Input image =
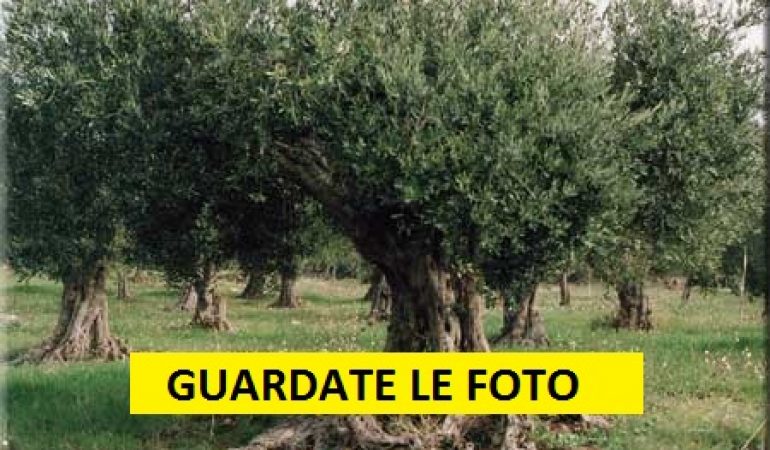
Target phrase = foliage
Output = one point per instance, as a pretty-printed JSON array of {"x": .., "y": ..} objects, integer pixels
[
  {"x": 64, "y": 64},
  {"x": 755, "y": 246},
  {"x": 335, "y": 255},
  {"x": 480, "y": 131},
  {"x": 203, "y": 196},
  {"x": 696, "y": 161}
]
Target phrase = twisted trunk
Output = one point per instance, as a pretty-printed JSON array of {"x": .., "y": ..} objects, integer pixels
[
  {"x": 82, "y": 330},
  {"x": 431, "y": 310},
  {"x": 634, "y": 312},
  {"x": 522, "y": 323},
  {"x": 287, "y": 297},
  {"x": 255, "y": 285},
  {"x": 210, "y": 308}
]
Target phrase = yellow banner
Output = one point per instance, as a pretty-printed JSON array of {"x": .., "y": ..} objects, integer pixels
[{"x": 387, "y": 383}]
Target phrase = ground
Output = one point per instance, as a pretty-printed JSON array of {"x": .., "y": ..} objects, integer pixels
[{"x": 704, "y": 365}]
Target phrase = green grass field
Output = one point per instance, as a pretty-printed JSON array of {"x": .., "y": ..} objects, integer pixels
[{"x": 704, "y": 374}]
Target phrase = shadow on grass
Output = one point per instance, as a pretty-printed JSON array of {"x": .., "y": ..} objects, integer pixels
[
  {"x": 47, "y": 289},
  {"x": 755, "y": 342},
  {"x": 87, "y": 406},
  {"x": 157, "y": 294}
]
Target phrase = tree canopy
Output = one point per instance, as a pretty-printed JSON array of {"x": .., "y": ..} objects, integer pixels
[
  {"x": 462, "y": 132},
  {"x": 697, "y": 161}
]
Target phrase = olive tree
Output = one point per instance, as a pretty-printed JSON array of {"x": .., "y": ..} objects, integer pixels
[
  {"x": 274, "y": 231},
  {"x": 204, "y": 195},
  {"x": 477, "y": 133},
  {"x": 442, "y": 138},
  {"x": 64, "y": 64},
  {"x": 182, "y": 156},
  {"x": 695, "y": 161}
]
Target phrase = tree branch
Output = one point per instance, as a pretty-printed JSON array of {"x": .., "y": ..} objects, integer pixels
[{"x": 305, "y": 163}]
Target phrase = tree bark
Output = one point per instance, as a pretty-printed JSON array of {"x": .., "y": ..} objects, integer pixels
[
  {"x": 124, "y": 292},
  {"x": 210, "y": 308},
  {"x": 564, "y": 291},
  {"x": 82, "y": 330},
  {"x": 431, "y": 312},
  {"x": 287, "y": 297},
  {"x": 255, "y": 285},
  {"x": 522, "y": 323},
  {"x": 634, "y": 312},
  {"x": 379, "y": 297},
  {"x": 187, "y": 298}
]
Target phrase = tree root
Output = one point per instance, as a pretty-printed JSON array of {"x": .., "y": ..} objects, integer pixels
[
  {"x": 514, "y": 336},
  {"x": 187, "y": 300},
  {"x": 75, "y": 348},
  {"x": 212, "y": 323},
  {"x": 575, "y": 423},
  {"x": 397, "y": 432},
  {"x": 377, "y": 316}
]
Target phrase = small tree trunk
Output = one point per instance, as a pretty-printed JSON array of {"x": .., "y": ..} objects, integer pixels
[
  {"x": 287, "y": 298},
  {"x": 634, "y": 312},
  {"x": 210, "y": 308},
  {"x": 123, "y": 289},
  {"x": 522, "y": 323},
  {"x": 139, "y": 276},
  {"x": 744, "y": 271},
  {"x": 470, "y": 311},
  {"x": 687, "y": 289},
  {"x": 375, "y": 285},
  {"x": 255, "y": 285},
  {"x": 187, "y": 298},
  {"x": 82, "y": 330},
  {"x": 379, "y": 297},
  {"x": 564, "y": 292}
]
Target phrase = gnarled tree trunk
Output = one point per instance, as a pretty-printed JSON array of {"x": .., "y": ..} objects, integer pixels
[
  {"x": 210, "y": 308},
  {"x": 255, "y": 285},
  {"x": 634, "y": 312},
  {"x": 522, "y": 323},
  {"x": 82, "y": 331},
  {"x": 431, "y": 310},
  {"x": 287, "y": 297}
]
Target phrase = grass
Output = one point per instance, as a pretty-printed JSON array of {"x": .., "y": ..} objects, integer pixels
[{"x": 704, "y": 374}]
